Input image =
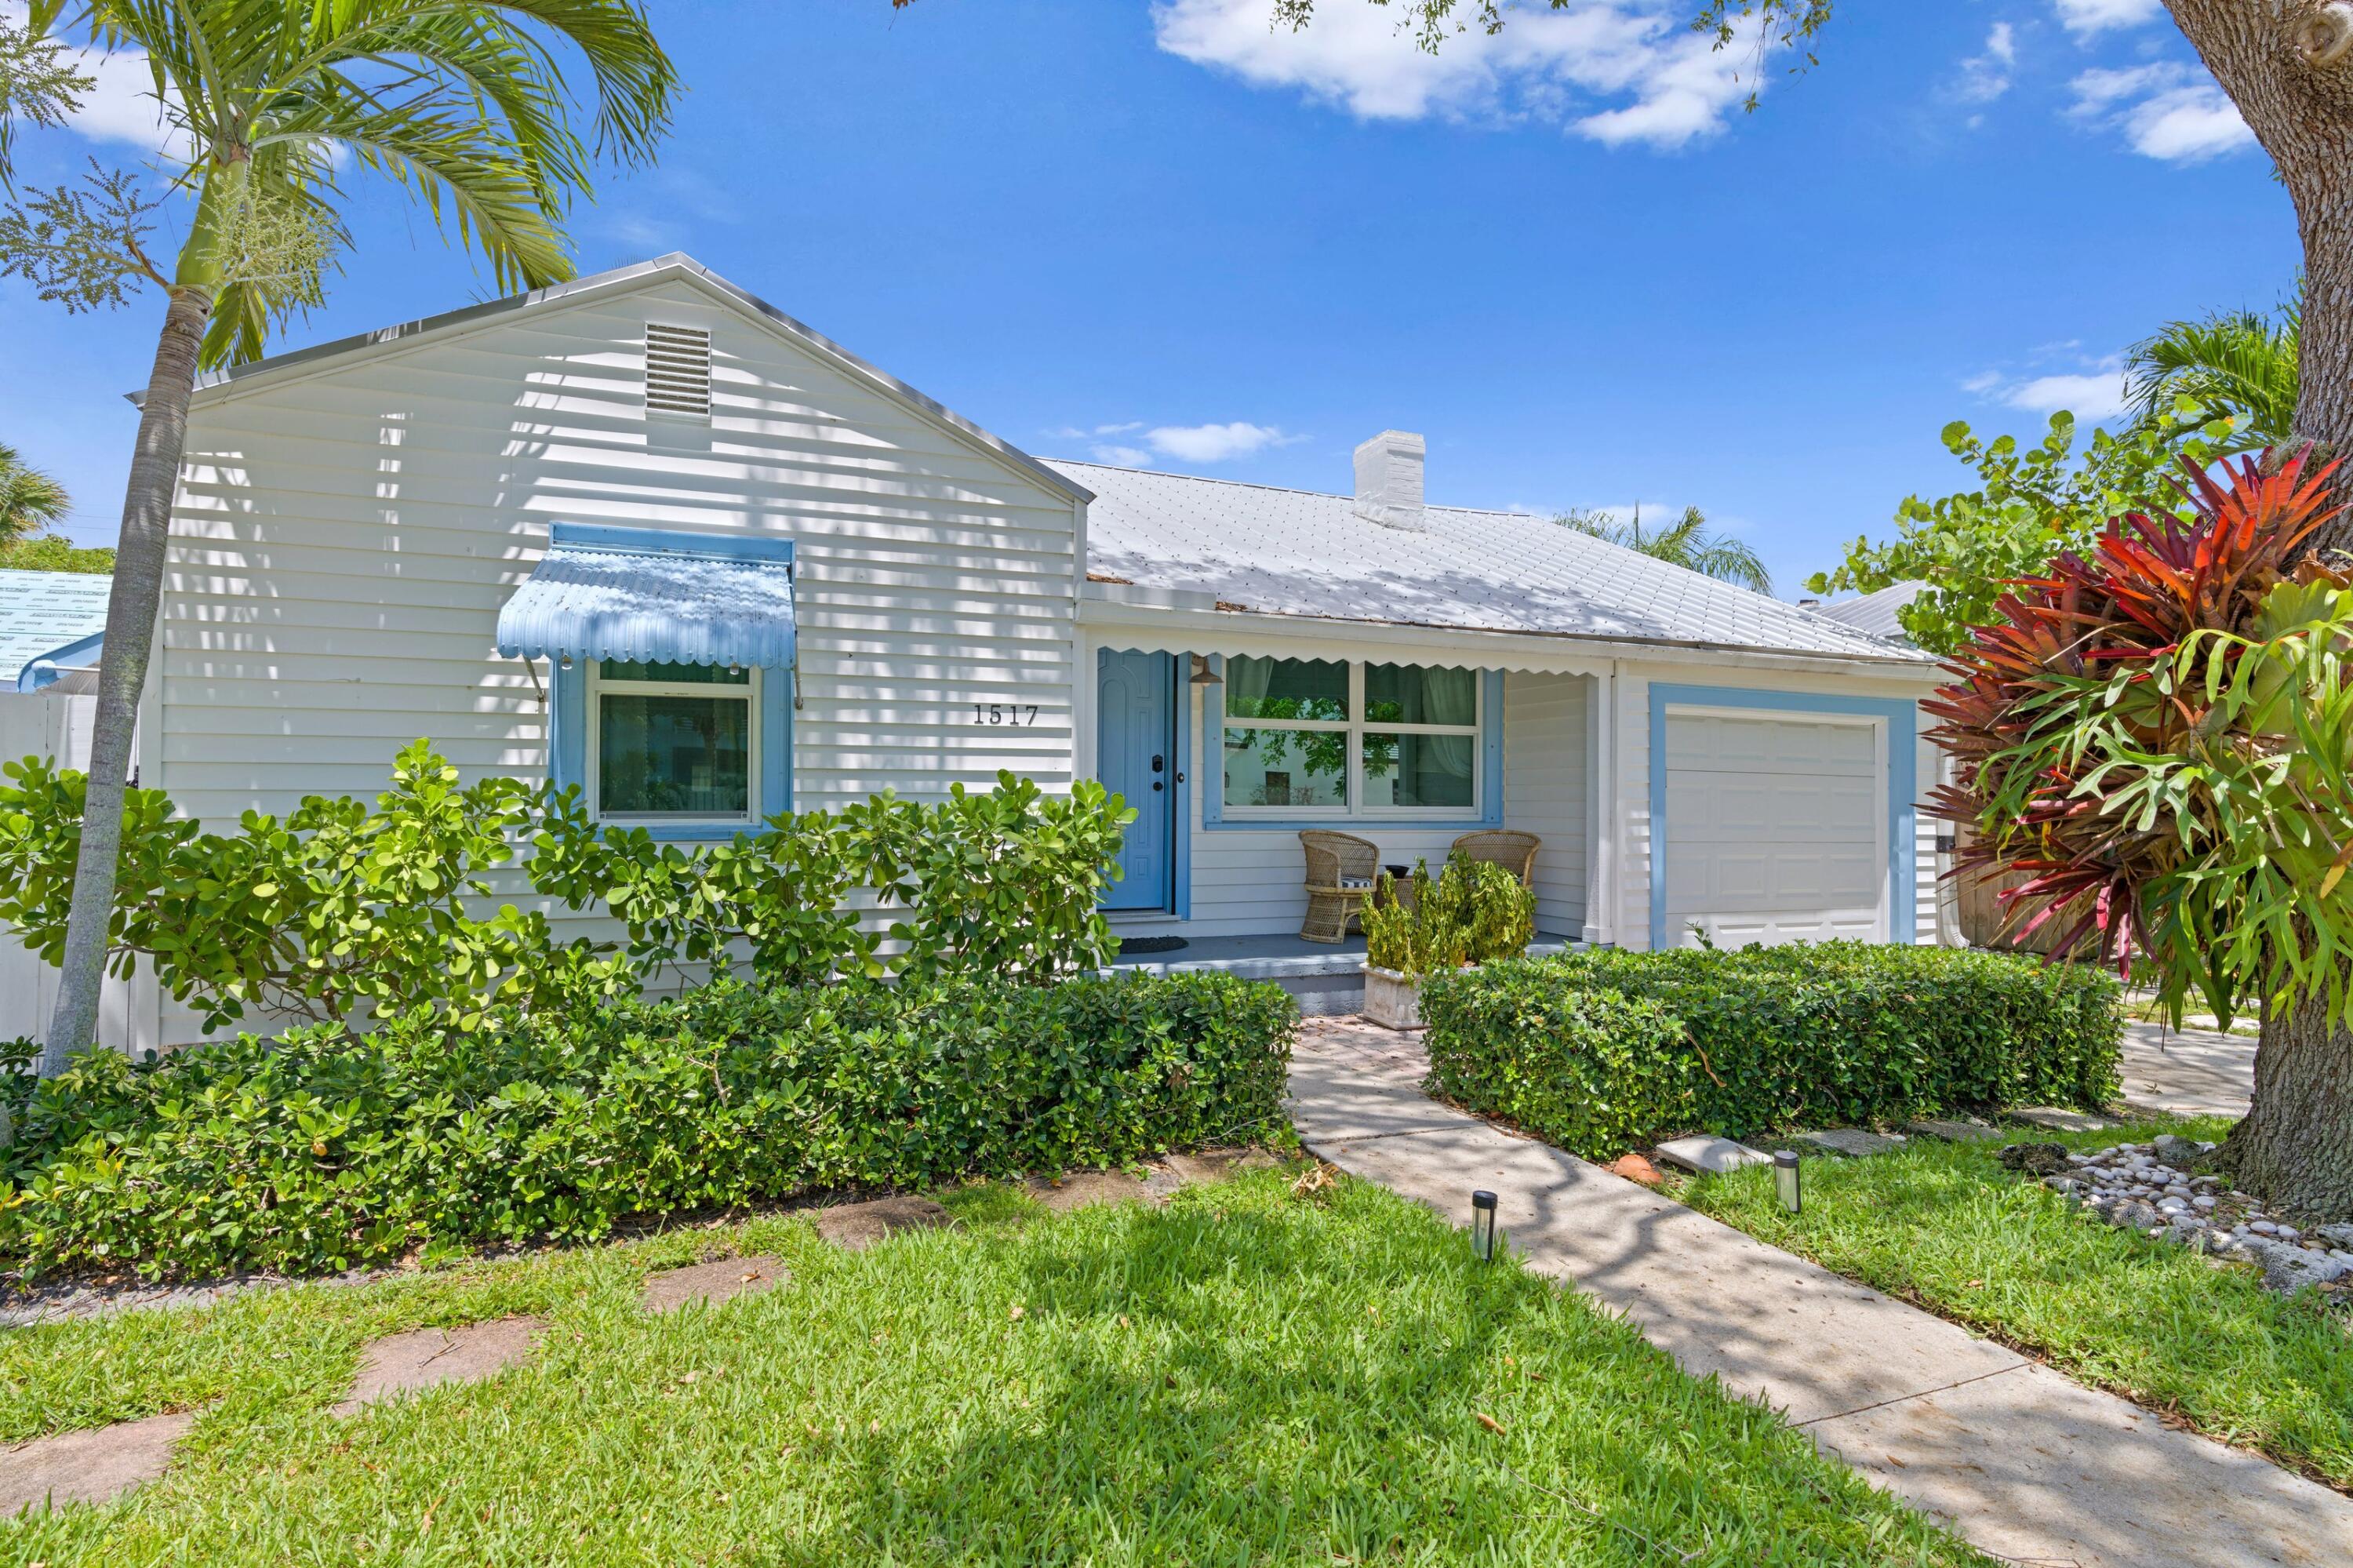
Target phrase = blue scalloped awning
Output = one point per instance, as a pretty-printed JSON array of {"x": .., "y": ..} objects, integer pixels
[{"x": 641, "y": 594}]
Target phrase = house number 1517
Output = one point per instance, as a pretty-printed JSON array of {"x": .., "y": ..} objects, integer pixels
[{"x": 1015, "y": 714}]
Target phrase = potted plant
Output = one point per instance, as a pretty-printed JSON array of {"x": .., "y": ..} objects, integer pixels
[{"x": 1473, "y": 911}]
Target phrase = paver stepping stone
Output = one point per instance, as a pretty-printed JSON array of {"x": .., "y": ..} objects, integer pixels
[
  {"x": 426, "y": 1358},
  {"x": 854, "y": 1227},
  {"x": 1711, "y": 1154},
  {"x": 1954, "y": 1132},
  {"x": 89, "y": 1466},
  {"x": 721, "y": 1279},
  {"x": 1853, "y": 1141},
  {"x": 2058, "y": 1120},
  {"x": 1084, "y": 1188}
]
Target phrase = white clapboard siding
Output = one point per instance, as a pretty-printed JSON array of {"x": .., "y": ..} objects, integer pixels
[
  {"x": 344, "y": 539},
  {"x": 1545, "y": 788}
]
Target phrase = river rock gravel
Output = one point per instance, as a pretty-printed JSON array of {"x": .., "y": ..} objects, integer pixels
[{"x": 2156, "y": 1189}]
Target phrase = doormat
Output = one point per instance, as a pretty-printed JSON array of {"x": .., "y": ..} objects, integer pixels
[{"x": 1150, "y": 944}]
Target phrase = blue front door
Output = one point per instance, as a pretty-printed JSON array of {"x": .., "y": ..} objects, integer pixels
[{"x": 1135, "y": 757}]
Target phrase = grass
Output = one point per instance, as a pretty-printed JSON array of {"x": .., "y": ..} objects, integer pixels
[
  {"x": 1945, "y": 1226},
  {"x": 1244, "y": 1377}
]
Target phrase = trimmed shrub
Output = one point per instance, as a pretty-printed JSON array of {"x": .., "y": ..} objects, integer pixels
[
  {"x": 1602, "y": 1051},
  {"x": 319, "y": 1151}
]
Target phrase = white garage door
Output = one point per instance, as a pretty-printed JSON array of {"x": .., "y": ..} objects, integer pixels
[{"x": 1775, "y": 829}]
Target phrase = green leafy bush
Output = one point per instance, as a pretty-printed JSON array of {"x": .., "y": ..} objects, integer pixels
[
  {"x": 1766, "y": 1039},
  {"x": 341, "y": 911},
  {"x": 334, "y": 912},
  {"x": 1473, "y": 912},
  {"x": 321, "y": 1151}
]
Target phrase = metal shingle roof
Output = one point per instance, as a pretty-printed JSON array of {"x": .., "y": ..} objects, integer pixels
[
  {"x": 593, "y": 602},
  {"x": 1875, "y": 612},
  {"x": 1291, "y": 552},
  {"x": 41, "y": 612}
]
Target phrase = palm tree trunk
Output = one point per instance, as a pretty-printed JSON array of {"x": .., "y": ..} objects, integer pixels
[
  {"x": 2295, "y": 1146},
  {"x": 131, "y": 611}
]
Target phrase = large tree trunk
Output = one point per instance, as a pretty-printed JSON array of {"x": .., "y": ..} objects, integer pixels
[
  {"x": 2281, "y": 62},
  {"x": 122, "y": 667}
]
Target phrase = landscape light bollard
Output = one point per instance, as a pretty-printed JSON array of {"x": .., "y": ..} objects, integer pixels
[
  {"x": 1785, "y": 1179},
  {"x": 1483, "y": 1226}
]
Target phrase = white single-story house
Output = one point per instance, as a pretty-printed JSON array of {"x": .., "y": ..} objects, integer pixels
[{"x": 646, "y": 533}]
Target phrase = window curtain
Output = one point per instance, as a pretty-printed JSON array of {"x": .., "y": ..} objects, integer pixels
[
  {"x": 1445, "y": 693},
  {"x": 1247, "y": 679}
]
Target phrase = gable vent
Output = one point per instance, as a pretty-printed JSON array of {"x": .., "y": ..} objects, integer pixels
[{"x": 678, "y": 371}]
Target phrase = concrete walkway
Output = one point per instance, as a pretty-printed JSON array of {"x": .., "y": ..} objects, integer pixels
[
  {"x": 2023, "y": 1462},
  {"x": 2188, "y": 1071}
]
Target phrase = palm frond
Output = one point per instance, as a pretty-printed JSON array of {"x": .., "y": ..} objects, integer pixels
[
  {"x": 1685, "y": 543},
  {"x": 2242, "y": 363},
  {"x": 468, "y": 104}
]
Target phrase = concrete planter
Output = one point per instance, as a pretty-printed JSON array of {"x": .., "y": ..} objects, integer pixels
[{"x": 1392, "y": 999}]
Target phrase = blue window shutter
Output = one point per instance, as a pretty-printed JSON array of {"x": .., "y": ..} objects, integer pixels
[
  {"x": 567, "y": 726},
  {"x": 776, "y": 741}
]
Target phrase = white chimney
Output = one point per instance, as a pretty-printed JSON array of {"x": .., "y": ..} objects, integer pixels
[{"x": 1388, "y": 480}]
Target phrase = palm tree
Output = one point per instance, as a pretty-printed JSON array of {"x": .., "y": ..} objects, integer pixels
[
  {"x": 461, "y": 102},
  {"x": 1686, "y": 543},
  {"x": 29, "y": 501},
  {"x": 2242, "y": 363}
]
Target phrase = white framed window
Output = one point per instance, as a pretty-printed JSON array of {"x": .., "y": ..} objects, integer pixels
[
  {"x": 674, "y": 744},
  {"x": 1317, "y": 738}
]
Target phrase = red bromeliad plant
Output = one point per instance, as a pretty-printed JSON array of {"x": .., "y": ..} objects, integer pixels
[{"x": 2153, "y": 742}]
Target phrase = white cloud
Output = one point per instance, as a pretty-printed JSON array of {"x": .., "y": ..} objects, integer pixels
[
  {"x": 2166, "y": 110},
  {"x": 2089, "y": 389},
  {"x": 1187, "y": 443},
  {"x": 1986, "y": 77},
  {"x": 2085, "y": 18},
  {"x": 1215, "y": 443},
  {"x": 122, "y": 107},
  {"x": 1556, "y": 67},
  {"x": 2093, "y": 395}
]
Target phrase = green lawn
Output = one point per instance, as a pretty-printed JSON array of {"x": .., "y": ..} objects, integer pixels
[
  {"x": 1244, "y": 1377},
  {"x": 1946, "y": 1226}
]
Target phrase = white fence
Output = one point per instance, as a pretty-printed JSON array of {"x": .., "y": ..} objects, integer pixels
[{"x": 56, "y": 727}]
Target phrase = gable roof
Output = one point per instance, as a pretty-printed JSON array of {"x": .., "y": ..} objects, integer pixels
[
  {"x": 42, "y": 612},
  {"x": 676, "y": 266},
  {"x": 1875, "y": 612},
  {"x": 1293, "y": 552}
]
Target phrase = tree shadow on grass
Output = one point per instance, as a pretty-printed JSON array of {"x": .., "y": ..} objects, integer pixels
[{"x": 1264, "y": 1382}]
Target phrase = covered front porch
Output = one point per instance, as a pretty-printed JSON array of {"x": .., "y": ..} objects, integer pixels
[
  {"x": 1327, "y": 979},
  {"x": 1405, "y": 739}
]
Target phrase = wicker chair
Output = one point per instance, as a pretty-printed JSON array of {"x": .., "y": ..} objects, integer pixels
[
  {"x": 1515, "y": 852},
  {"x": 1341, "y": 871}
]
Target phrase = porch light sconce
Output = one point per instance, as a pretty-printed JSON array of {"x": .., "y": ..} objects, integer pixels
[
  {"x": 567, "y": 662},
  {"x": 1785, "y": 1180},
  {"x": 1202, "y": 674},
  {"x": 1483, "y": 1226}
]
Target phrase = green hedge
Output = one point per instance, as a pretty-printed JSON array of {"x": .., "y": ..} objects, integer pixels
[
  {"x": 1604, "y": 1050},
  {"x": 318, "y": 1152}
]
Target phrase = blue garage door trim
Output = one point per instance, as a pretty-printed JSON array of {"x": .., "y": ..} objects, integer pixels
[{"x": 1903, "y": 785}]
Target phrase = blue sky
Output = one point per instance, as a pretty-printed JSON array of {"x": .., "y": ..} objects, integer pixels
[{"x": 1160, "y": 233}]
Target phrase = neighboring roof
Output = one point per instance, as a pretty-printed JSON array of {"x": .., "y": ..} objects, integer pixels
[
  {"x": 41, "y": 613},
  {"x": 678, "y": 263},
  {"x": 1875, "y": 612},
  {"x": 611, "y": 593},
  {"x": 1291, "y": 552}
]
